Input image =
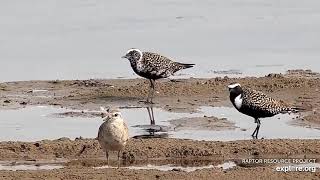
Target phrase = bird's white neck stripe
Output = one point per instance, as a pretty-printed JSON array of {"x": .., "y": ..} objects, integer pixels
[
  {"x": 231, "y": 86},
  {"x": 238, "y": 101},
  {"x": 139, "y": 62},
  {"x": 141, "y": 54},
  {"x": 134, "y": 49}
]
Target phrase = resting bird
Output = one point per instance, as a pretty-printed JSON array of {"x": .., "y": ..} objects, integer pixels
[
  {"x": 113, "y": 133},
  {"x": 153, "y": 66},
  {"x": 256, "y": 104}
]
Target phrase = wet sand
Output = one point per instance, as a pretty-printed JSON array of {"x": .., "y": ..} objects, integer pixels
[
  {"x": 81, "y": 155},
  {"x": 183, "y": 95}
]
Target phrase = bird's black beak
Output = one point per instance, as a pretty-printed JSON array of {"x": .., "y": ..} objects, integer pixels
[{"x": 125, "y": 56}]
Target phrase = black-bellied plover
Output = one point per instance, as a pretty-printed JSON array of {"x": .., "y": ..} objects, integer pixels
[
  {"x": 153, "y": 66},
  {"x": 113, "y": 133},
  {"x": 256, "y": 104}
]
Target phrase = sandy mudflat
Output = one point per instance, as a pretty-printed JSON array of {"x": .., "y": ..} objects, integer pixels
[
  {"x": 83, "y": 155},
  {"x": 79, "y": 156},
  {"x": 297, "y": 88}
]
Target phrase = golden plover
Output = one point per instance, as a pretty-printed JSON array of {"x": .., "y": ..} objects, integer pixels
[
  {"x": 153, "y": 66},
  {"x": 256, "y": 104}
]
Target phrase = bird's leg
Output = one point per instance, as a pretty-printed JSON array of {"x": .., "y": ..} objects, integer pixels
[
  {"x": 119, "y": 159},
  {"x": 258, "y": 126},
  {"x": 151, "y": 116},
  {"x": 256, "y": 131},
  {"x": 151, "y": 91},
  {"x": 107, "y": 156}
]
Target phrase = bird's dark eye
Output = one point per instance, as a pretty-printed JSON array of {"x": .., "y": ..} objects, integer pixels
[{"x": 116, "y": 115}]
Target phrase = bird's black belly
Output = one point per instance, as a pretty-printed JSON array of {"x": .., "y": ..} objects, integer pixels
[
  {"x": 149, "y": 75},
  {"x": 256, "y": 113}
]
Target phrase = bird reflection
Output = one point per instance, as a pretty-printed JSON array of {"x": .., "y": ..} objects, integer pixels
[
  {"x": 154, "y": 131},
  {"x": 151, "y": 115}
]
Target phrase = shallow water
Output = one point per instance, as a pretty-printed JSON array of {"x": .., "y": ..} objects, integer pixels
[
  {"x": 169, "y": 167},
  {"x": 32, "y": 165},
  {"x": 38, "y": 123},
  {"x": 57, "y": 39},
  {"x": 229, "y": 165},
  {"x": 29, "y": 167},
  {"x": 34, "y": 123}
]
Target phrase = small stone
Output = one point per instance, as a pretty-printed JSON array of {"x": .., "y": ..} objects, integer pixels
[
  {"x": 23, "y": 146},
  {"x": 23, "y": 103},
  {"x": 176, "y": 170},
  {"x": 7, "y": 101}
]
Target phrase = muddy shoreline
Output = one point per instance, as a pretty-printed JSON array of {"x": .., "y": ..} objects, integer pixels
[
  {"x": 83, "y": 155},
  {"x": 298, "y": 88},
  {"x": 183, "y": 95}
]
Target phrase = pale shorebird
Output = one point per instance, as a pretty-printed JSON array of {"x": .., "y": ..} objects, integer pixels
[
  {"x": 256, "y": 104},
  {"x": 153, "y": 66},
  {"x": 113, "y": 133}
]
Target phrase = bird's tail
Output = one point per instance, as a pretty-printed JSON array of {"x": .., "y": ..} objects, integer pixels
[
  {"x": 185, "y": 66},
  {"x": 293, "y": 110}
]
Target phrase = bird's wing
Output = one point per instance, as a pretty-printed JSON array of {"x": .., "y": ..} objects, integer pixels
[
  {"x": 261, "y": 102},
  {"x": 104, "y": 131},
  {"x": 156, "y": 64},
  {"x": 100, "y": 132},
  {"x": 156, "y": 60},
  {"x": 126, "y": 131}
]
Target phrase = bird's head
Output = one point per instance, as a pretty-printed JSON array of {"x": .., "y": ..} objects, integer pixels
[
  {"x": 108, "y": 114},
  {"x": 133, "y": 55},
  {"x": 235, "y": 89}
]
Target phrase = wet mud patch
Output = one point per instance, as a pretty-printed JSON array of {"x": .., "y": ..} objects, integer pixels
[
  {"x": 202, "y": 123},
  {"x": 302, "y": 73}
]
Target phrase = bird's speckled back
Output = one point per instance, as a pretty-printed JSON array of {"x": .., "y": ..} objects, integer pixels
[{"x": 261, "y": 102}]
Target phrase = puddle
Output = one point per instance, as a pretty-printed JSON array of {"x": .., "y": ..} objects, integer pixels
[
  {"x": 171, "y": 167},
  {"x": 35, "y": 123},
  {"x": 227, "y": 72},
  {"x": 246, "y": 126},
  {"x": 227, "y": 165},
  {"x": 30, "y": 165},
  {"x": 32, "y": 124},
  {"x": 37, "y": 91}
]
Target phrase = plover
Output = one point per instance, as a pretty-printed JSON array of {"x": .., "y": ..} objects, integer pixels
[
  {"x": 113, "y": 133},
  {"x": 256, "y": 104},
  {"x": 153, "y": 66}
]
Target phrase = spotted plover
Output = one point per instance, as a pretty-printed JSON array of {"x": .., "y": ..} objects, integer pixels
[
  {"x": 256, "y": 104},
  {"x": 113, "y": 133},
  {"x": 153, "y": 66}
]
